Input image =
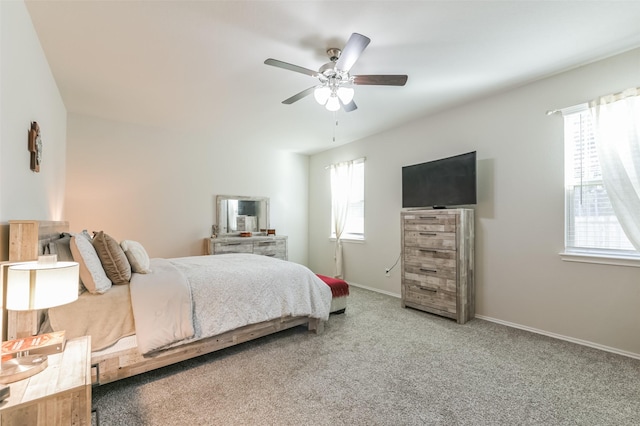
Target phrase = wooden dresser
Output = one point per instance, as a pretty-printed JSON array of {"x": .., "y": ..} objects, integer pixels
[
  {"x": 272, "y": 246},
  {"x": 438, "y": 261}
]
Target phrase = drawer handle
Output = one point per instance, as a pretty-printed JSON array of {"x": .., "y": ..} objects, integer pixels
[
  {"x": 431, "y": 234},
  {"x": 428, "y": 251},
  {"x": 266, "y": 243},
  {"x": 231, "y": 244},
  {"x": 433, "y": 290},
  {"x": 429, "y": 217},
  {"x": 270, "y": 254},
  {"x": 429, "y": 270}
]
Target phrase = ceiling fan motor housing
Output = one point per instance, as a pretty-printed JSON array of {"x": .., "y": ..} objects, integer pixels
[
  {"x": 329, "y": 74},
  {"x": 334, "y": 53}
]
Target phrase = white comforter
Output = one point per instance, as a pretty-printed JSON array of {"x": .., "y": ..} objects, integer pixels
[{"x": 225, "y": 292}]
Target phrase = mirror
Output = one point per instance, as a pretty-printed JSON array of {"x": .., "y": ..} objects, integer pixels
[{"x": 237, "y": 213}]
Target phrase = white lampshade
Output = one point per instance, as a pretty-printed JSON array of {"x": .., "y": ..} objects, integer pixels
[
  {"x": 333, "y": 104},
  {"x": 38, "y": 285},
  {"x": 345, "y": 94},
  {"x": 322, "y": 93}
]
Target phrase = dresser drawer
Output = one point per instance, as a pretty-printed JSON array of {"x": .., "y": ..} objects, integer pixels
[
  {"x": 428, "y": 239},
  {"x": 233, "y": 247},
  {"x": 276, "y": 248},
  {"x": 432, "y": 278},
  {"x": 422, "y": 296},
  {"x": 430, "y": 222},
  {"x": 430, "y": 256},
  {"x": 443, "y": 267}
]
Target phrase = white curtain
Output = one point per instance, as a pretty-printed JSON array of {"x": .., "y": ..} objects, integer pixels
[
  {"x": 617, "y": 130},
  {"x": 341, "y": 178}
]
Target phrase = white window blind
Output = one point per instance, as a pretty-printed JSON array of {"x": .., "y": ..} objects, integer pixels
[
  {"x": 591, "y": 224},
  {"x": 354, "y": 227}
]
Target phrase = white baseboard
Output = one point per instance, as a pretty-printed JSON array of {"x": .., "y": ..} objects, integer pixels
[
  {"x": 377, "y": 290},
  {"x": 524, "y": 327},
  {"x": 561, "y": 337}
]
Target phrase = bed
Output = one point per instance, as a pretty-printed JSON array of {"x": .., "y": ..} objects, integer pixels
[{"x": 171, "y": 309}]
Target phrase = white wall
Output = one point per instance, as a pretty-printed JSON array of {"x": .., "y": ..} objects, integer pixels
[
  {"x": 28, "y": 93},
  {"x": 520, "y": 278},
  {"x": 158, "y": 186}
]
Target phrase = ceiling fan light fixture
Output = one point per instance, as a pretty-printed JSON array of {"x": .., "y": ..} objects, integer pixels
[
  {"x": 333, "y": 104},
  {"x": 345, "y": 94},
  {"x": 322, "y": 94}
]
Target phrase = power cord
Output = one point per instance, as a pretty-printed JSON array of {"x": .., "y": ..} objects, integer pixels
[{"x": 386, "y": 271}]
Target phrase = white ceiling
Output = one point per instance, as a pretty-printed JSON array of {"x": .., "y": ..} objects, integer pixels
[{"x": 198, "y": 65}]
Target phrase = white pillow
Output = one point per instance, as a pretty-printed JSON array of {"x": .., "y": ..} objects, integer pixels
[
  {"x": 91, "y": 272},
  {"x": 137, "y": 255}
]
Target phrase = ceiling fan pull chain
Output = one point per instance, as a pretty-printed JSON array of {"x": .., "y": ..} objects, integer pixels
[{"x": 335, "y": 119}]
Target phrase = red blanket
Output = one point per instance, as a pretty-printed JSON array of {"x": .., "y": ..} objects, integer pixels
[{"x": 338, "y": 287}]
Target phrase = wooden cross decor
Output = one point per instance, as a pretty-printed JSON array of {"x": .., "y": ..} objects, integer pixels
[{"x": 35, "y": 147}]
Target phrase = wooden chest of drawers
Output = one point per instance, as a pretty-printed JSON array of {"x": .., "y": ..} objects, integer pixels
[
  {"x": 272, "y": 246},
  {"x": 437, "y": 262}
]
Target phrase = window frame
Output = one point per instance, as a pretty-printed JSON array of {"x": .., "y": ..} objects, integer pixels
[{"x": 619, "y": 257}]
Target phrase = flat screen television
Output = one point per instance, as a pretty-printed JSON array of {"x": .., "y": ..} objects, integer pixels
[{"x": 440, "y": 183}]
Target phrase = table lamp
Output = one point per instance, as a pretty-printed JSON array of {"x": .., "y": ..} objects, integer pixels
[{"x": 36, "y": 285}]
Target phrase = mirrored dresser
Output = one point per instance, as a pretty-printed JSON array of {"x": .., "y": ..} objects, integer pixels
[{"x": 238, "y": 215}]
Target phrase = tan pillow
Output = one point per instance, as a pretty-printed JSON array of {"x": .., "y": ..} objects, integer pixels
[
  {"x": 91, "y": 272},
  {"x": 114, "y": 261}
]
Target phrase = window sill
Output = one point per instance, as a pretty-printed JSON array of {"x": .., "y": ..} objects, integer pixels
[
  {"x": 348, "y": 240},
  {"x": 600, "y": 259}
]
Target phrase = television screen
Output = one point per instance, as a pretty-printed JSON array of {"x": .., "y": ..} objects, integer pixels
[{"x": 441, "y": 183}]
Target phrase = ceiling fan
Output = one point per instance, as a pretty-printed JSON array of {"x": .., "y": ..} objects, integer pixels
[{"x": 335, "y": 88}]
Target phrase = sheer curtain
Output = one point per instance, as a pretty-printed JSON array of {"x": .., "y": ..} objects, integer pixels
[
  {"x": 341, "y": 178},
  {"x": 617, "y": 135}
]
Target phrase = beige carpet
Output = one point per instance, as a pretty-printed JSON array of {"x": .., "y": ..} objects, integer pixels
[{"x": 379, "y": 364}]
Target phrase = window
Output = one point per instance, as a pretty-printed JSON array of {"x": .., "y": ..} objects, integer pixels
[
  {"x": 347, "y": 198},
  {"x": 591, "y": 226}
]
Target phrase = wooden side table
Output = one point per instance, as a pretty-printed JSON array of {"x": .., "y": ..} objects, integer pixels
[{"x": 59, "y": 395}]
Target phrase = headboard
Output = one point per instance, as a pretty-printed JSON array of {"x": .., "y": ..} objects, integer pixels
[
  {"x": 27, "y": 241},
  {"x": 27, "y": 238}
]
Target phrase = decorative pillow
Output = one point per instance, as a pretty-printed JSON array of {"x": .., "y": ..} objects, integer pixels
[
  {"x": 91, "y": 273},
  {"x": 137, "y": 255},
  {"x": 62, "y": 249},
  {"x": 114, "y": 261}
]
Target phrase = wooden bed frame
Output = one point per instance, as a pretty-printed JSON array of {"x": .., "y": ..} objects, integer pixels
[{"x": 26, "y": 239}]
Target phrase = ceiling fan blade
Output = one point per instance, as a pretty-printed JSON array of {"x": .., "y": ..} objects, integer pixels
[
  {"x": 352, "y": 50},
  {"x": 351, "y": 106},
  {"x": 380, "y": 80},
  {"x": 299, "y": 96},
  {"x": 291, "y": 67}
]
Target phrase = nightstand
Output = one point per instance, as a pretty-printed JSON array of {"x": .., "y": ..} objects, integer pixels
[{"x": 59, "y": 395}]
